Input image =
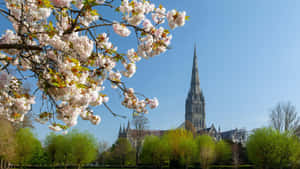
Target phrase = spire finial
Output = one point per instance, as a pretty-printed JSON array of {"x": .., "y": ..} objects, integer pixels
[
  {"x": 195, "y": 82},
  {"x": 195, "y": 49}
]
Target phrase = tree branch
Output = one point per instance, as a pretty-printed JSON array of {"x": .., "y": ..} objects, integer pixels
[{"x": 19, "y": 46}]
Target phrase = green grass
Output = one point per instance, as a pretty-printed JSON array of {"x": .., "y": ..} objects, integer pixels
[
  {"x": 212, "y": 167},
  {"x": 245, "y": 166}
]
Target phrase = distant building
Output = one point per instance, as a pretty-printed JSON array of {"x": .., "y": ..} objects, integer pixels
[{"x": 194, "y": 116}]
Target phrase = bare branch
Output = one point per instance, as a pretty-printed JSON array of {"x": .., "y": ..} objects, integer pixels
[
  {"x": 284, "y": 117},
  {"x": 20, "y": 46},
  {"x": 114, "y": 114}
]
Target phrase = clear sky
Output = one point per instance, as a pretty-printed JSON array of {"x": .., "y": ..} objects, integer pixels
[{"x": 248, "y": 54}]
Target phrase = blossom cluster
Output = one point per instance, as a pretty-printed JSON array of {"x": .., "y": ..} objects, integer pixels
[
  {"x": 14, "y": 103},
  {"x": 131, "y": 101},
  {"x": 155, "y": 40},
  {"x": 71, "y": 61}
]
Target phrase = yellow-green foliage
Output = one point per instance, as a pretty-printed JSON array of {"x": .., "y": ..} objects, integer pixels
[
  {"x": 27, "y": 145},
  {"x": 176, "y": 140},
  {"x": 268, "y": 148},
  {"x": 74, "y": 148},
  {"x": 155, "y": 151},
  {"x": 123, "y": 152},
  {"x": 206, "y": 150},
  {"x": 223, "y": 152},
  {"x": 7, "y": 140},
  {"x": 181, "y": 146}
]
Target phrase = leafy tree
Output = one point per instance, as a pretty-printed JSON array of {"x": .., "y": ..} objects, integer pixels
[
  {"x": 206, "y": 150},
  {"x": 181, "y": 144},
  {"x": 64, "y": 149},
  {"x": 27, "y": 145},
  {"x": 39, "y": 157},
  {"x": 123, "y": 153},
  {"x": 286, "y": 144},
  {"x": 51, "y": 147},
  {"x": 58, "y": 148},
  {"x": 155, "y": 151},
  {"x": 187, "y": 151},
  {"x": 7, "y": 142},
  {"x": 268, "y": 148},
  {"x": 295, "y": 157},
  {"x": 223, "y": 152},
  {"x": 83, "y": 147},
  {"x": 107, "y": 156},
  {"x": 260, "y": 147},
  {"x": 74, "y": 148}
]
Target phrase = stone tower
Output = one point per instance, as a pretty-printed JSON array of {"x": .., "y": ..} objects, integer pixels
[{"x": 195, "y": 103}]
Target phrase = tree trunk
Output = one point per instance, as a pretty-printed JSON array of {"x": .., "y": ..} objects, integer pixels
[
  {"x": 65, "y": 162},
  {"x": 136, "y": 157},
  {"x": 1, "y": 163},
  {"x": 137, "y": 152},
  {"x": 122, "y": 162},
  {"x": 153, "y": 165},
  {"x": 186, "y": 166}
]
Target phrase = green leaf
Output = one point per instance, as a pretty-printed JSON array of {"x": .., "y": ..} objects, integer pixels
[
  {"x": 187, "y": 18},
  {"x": 55, "y": 84},
  {"x": 81, "y": 86},
  {"x": 94, "y": 12}
]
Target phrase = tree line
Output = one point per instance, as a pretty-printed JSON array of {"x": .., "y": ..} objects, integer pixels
[
  {"x": 21, "y": 147},
  {"x": 273, "y": 147},
  {"x": 177, "y": 148},
  {"x": 267, "y": 148}
]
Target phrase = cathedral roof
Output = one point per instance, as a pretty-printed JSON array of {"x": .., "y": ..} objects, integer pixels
[{"x": 134, "y": 132}]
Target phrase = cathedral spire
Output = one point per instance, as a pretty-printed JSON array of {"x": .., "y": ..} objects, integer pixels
[
  {"x": 120, "y": 131},
  {"x": 195, "y": 82},
  {"x": 128, "y": 125},
  {"x": 124, "y": 129},
  {"x": 195, "y": 103}
]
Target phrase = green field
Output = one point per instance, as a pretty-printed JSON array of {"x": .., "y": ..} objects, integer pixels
[{"x": 148, "y": 167}]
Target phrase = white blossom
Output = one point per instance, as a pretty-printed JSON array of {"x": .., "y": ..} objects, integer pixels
[
  {"x": 121, "y": 30},
  {"x": 72, "y": 61},
  {"x": 55, "y": 128},
  {"x": 61, "y": 3}
]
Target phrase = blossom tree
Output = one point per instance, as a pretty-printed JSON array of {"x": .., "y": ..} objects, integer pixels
[{"x": 62, "y": 46}]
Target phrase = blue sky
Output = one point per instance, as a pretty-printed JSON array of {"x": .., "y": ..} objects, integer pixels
[{"x": 248, "y": 57}]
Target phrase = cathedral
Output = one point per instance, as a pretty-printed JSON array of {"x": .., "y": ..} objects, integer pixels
[{"x": 194, "y": 116}]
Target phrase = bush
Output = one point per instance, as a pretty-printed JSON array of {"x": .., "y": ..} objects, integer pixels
[{"x": 268, "y": 148}]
